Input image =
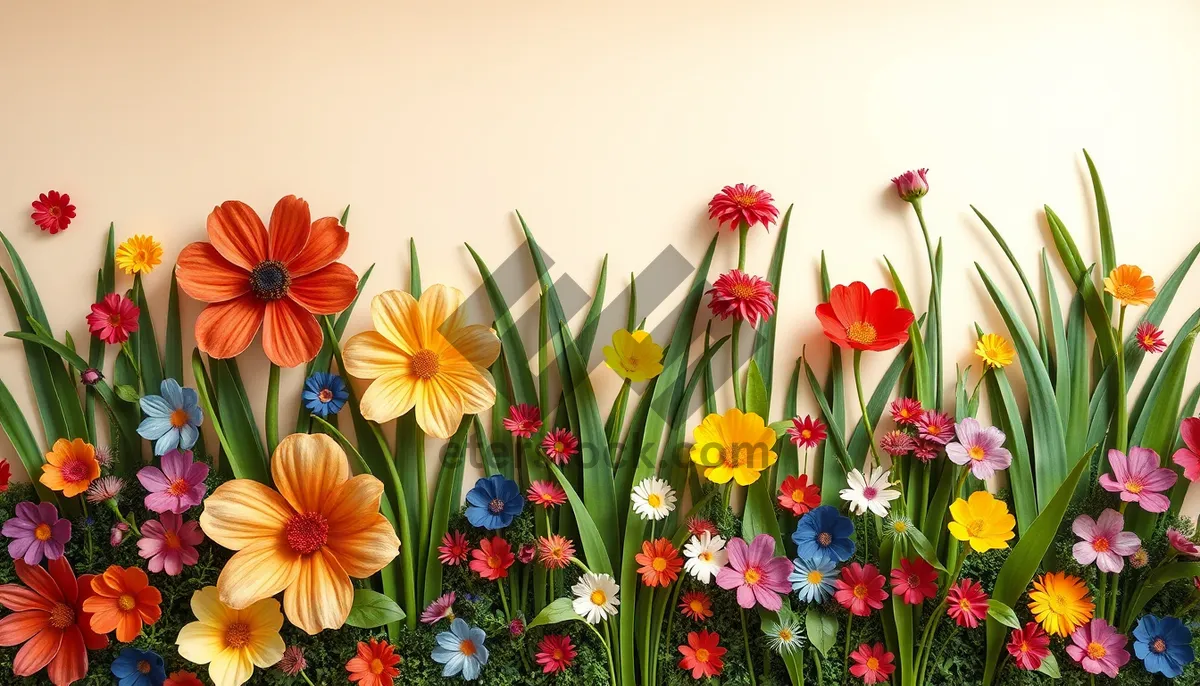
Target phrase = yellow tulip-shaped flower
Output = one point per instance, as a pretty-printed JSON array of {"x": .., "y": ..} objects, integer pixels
[
  {"x": 1130, "y": 286},
  {"x": 231, "y": 642},
  {"x": 995, "y": 351},
  {"x": 634, "y": 356},
  {"x": 423, "y": 355},
  {"x": 736, "y": 446},
  {"x": 982, "y": 521},
  {"x": 307, "y": 539},
  {"x": 1060, "y": 603}
]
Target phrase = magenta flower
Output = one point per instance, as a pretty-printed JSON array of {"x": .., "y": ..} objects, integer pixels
[
  {"x": 1104, "y": 541},
  {"x": 743, "y": 296},
  {"x": 1182, "y": 544},
  {"x": 178, "y": 486},
  {"x": 36, "y": 533},
  {"x": 1189, "y": 457},
  {"x": 1098, "y": 648},
  {"x": 935, "y": 427},
  {"x": 1139, "y": 479},
  {"x": 911, "y": 185},
  {"x": 759, "y": 577},
  {"x": 982, "y": 448},
  {"x": 169, "y": 543},
  {"x": 442, "y": 608}
]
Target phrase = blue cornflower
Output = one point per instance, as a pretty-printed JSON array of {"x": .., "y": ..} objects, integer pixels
[
  {"x": 324, "y": 394},
  {"x": 494, "y": 502},
  {"x": 461, "y": 650},
  {"x": 172, "y": 419},
  {"x": 824, "y": 535},
  {"x": 135, "y": 667},
  {"x": 813, "y": 582},
  {"x": 1163, "y": 645}
]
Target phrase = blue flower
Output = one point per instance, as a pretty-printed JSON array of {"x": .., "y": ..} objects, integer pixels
[
  {"x": 172, "y": 419},
  {"x": 461, "y": 649},
  {"x": 324, "y": 394},
  {"x": 813, "y": 582},
  {"x": 135, "y": 667},
  {"x": 494, "y": 502},
  {"x": 1163, "y": 645},
  {"x": 824, "y": 535}
]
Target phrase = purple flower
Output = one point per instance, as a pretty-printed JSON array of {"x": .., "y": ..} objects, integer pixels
[
  {"x": 178, "y": 486},
  {"x": 169, "y": 543},
  {"x": 1098, "y": 648},
  {"x": 982, "y": 448},
  {"x": 759, "y": 577},
  {"x": 37, "y": 533},
  {"x": 1104, "y": 541},
  {"x": 1139, "y": 479}
]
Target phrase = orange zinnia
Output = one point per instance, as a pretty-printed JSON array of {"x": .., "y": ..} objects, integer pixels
[
  {"x": 660, "y": 562},
  {"x": 124, "y": 601},
  {"x": 70, "y": 467},
  {"x": 306, "y": 539},
  {"x": 1130, "y": 286},
  {"x": 277, "y": 279}
]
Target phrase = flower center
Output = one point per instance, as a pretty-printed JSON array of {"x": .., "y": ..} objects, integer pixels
[
  {"x": 62, "y": 616},
  {"x": 171, "y": 539},
  {"x": 1133, "y": 486},
  {"x": 74, "y": 470},
  {"x": 964, "y": 605},
  {"x": 752, "y": 576},
  {"x": 742, "y": 292},
  {"x": 306, "y": 532},
  {"x": 237, "y": 635},
  {"x": 270, "y": 280},
  {"x": 377, "y": 665},
  {"x": 178, "y": 487},
  {"x": 873, "y": 664},
  {"x": 702, "y": 655},
  {"x": 143, "y": 666},
  {"x": 729, "y": 456},
  {"x": 899, "y": 526},
  {"x": 976, "y": 453},
  {"x": 914, "y": 580},
  {"x": 1100, "y": 545},
  {"x": 1024, "y": 647},
  {"x": 560, "y": 447},
  {"x": 494, "y": 562},
  {"x": 861, "y": 332},
  {"x": 745, "y": 200},
  {"x": 815, "y": 577},
  {"x": 654, "y": 500},
  {"x": 467, "y": 647},
  {"x": 325, "y": 395},
  {"x": 126, "y": 602},
  {"x": 706, "y": 556},
  {"x": 179, "y": 418},
  {"x": 975, "y": 528},
  {"x": 860, "y": 591},
  {"x": 426, "y": 363},
  {"x": 496, "y": 506},
  {"x": 798, "y": 496},
  {"x": 696, "y": 606},
  {"x": 1058, "y": 603},
  {"x": 1096, "y": 651},
  {"x": 870, "y": 492},
  {"x": 1158, "y": 645},
  {"x": 825, "y": 538},
  {"x": 55, "y": 212},
  {"x": 659, "y": 564},
  {"x": 598, "y": 597},
  {"x": 785, "y": 635},
  {"x": 1125, "y": 292},
  {"x": 43, "y": 532},
  {"x": 1148, "y": 341},
  {"x": 558, "y": 655}
]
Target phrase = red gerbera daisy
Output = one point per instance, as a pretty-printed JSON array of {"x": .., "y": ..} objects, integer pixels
[
  {"x": 523, "y": 420},
  {"x": 806, "y": 432},
  {"x": 696, "y": 605},
  {"x": 546, "y": 493},
  {"x": 555, "y": 552},
  {"x": 906, "y": 411},
  {"x": 555, "y": 653},
  {"x": 374, "y": 664},
  {"x": 660, "y": 562},
  {"x": 454, "y": 548},
  {"x": 859, "y": 318},
  {"x": 743, "y": 296},
  {"x": 799, "y": 496},
  {"x": 743, "y": 205},
  {"x": 698, "y": 525},
  {"x": 915, "y": 580},
  {"x": 859, "y": 588},
  {"x": 1029, "y": 646},
  {"x": 53, "y": 211},
  {"x": 935, "y": 427},
  {"x": 872, "y": 664},
  {"x": 5, "y": 475},
  {"x": 559, "y": 445},
  {"x": 183, "y": 678},
  {"x": 967, "y": 603},
  {"x": 702, "y": 654},
  {"x": 1150, "y": 338},
  {"x": 113, "y": 319},
  {"x": 492, "y": 558}
]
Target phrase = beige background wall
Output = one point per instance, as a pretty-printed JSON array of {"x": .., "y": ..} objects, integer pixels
[{"x": 609, "y": 125}]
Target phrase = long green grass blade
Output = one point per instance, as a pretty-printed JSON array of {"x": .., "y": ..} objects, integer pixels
[
  {"x": 452, "y": 471},
  {"x": 173, "y": 353},
  {"x": 1082, "y": 278},
  {"x": 149, "y": 362},
  {"x": 1006, "y": 414},
  {"x": 12, "y": 421},
  {"x": 1108, "y": 249},
  {"x": 922, "y": 373},
  {"x": 38, "y": 359},
  {"x": 242, "y": 447},
  {"x": 764, "y": 333},
  {"x": 1033, "y": 301}
]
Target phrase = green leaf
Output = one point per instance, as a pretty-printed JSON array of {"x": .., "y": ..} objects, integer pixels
[
  {"x": 1012, "y": 259},
  {"x": 591, "y": 321},
  {"x": 38, "y": 360},
  {"x": 453, "y": 464},
  {"x": 924, "y": 548},
  {"x": 149, "y": 363},
  {"x": 1003, "y": 614},
  {"x": 173, "y": 353},
  {"x": 922, "y": 374},
  {"x": 834, "y": 427},
  {"x": 822, "y": 629},
  {"x": 127, "y": 393},
  {"x": 372, "y": 609},
  {"x": 764, "y": 333},
  {"x": 1006, "y": 414},
  {"x": 1153, "y": 584},
  {"x": 594, "y": 550},
  {"x": 559, "y": 611},
  {"x": 242, "y": 447},
  {"x": 878, "y": 401},
  {"x": 12, "y": 421},
  {"x": 832, "y": 473},
  {"x": 1082, "y": 278},
  {"x": 1049, "y": 667},
  {"x": 1108, "y": 250},
  {"x": 28, "y": 290},
  {"x": 757, "y": 401}
]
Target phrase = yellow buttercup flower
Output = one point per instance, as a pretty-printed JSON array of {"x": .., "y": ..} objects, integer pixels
[
  {"x": 995, "y": 350},
  {"x": 735, "y": 446},
  {"x": 1060, "y": 603},
  {"x": 634, "y": 356},
  {"x": 982, "y": 521},
  {"x": 1130, "y": 286},
  {"x": 423, "y": 355},
  {"x": 231, "y": 642},
  {"x": 139, "y": 255}
]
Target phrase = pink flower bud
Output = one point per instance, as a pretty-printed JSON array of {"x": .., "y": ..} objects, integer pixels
[
  {"x": 516, "y": 627},
  {"x": 526, "y": 553},
  {"x": 911, "y": 185},
  {"x": 90, "y": 376},
  {"x": 118, "y": 534}
]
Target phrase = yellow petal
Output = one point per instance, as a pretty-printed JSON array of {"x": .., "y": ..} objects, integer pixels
[
  {"x": 718, "y": 475},
  {"x": 475, "y": 387},
  {"x": 256, "y": 572},
  {"x": 395, "y": 315},
  {"x": 613, "y": 360},
  {"x": 321, "y": 596},
  {"x": 369, "y": 355},
  {"x": 442, "y": 312},
  {"x": 389, "y": 396},
  {"x": 958, "y": 531},
  {"x": 439, "y": 408},
  {"x": 745, "y": 476},
  {"x": 476, "y": 343},
  {"x": 231, "y": 668},
  {"x": 625, "y": 343},
  {"x": 209, "y": 610},
  {"x": 960, "y": 512},
  {"x": 242, "y": 512},
  {"x": 307, "y": 468},
  {"x": 264, "y": 650},
  {"x": 262, "y": 617},
  {"x": 200, "y": 643}
]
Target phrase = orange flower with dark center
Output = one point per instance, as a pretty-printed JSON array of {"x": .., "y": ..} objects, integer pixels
[
  {"x": 277, "y": 279},
  {"x": 70, "y": 467},
  {"x": 660, "y": 562},
  {"x": 124, "y": 600},
  {"x": 857, "y": 317}
]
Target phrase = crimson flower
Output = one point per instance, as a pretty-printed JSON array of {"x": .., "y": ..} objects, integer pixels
[
  {"x": 113, "y": 318},
  {"x": 743, "y": 296},
  {"x": 53, "y": 211},
  {"x": 926, "y": 450},
  {"x": 859, "y": 588},
  {"x": 897, "y": 443},
  {"x": 454, "y": 548},
  {"x": 859, "y": 318},
  {"x": 911, "y": 185},
  {"x": 806, "y": 432},
  {"x": 1029, "y": 646},
  {"x": 696, "y": 605},
  {"x": 967, "y": 603},
  {"x": 914, "y": 580},
  {"x": 492, "y": 558},
  {"x": 555, "y": 653},
  {"x": 5, "y": 475},
  {"x": 1150, "y": 338},
  {"x": 872, "y": 664},
  {"x": 526, "y": 552},
  {"x": 559, "y": 445},
  {"x": 743, "y": 205},
  {"x": 555, "y": 551},
  {"x": 523, "y": 420},
  {"x": 799, "y": 496},
  {"x": 906, "y": 411},
  {"x": 546, "y": 493}
]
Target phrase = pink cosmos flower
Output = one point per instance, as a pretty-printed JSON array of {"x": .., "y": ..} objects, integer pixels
[
  {"x": 759, "y": 577},
  {"x": 911, "y": 185},
  {"x": 982, "y": 448},
  {"x": 906, "y": 411},
  {"x": 442, "y": 608},
  {"x": 742, "y": 204},
  {"x": 1104, "y": 541},
  {"x": 559, "y": 445},
  {"x": 169, "y": 543},
  {"x": 897, "y": 443},
  {"x": 936, "y": 427},
  {"x": 546, "y": 493},
  {"x": 523, "y": 420},
  {"x": 1139, "y": 479},
  {"x": 1098, "y": 648},
  {"x": 1182, "y": 544},
  {"x": 178, "y": 486},
  {"x": 743, "y": 296},
  {"x": 37, "y": 532},
  {"x": 1189, "y": 457}
]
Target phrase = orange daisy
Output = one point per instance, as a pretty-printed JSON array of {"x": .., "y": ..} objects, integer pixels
[
  {"x": 374, "y": 664},
  {"x": 1130, "y": 286},
  {"x": 276, "y": 279},
  {"x": 696, "y": 605},
  {"x": 70, "y": 467},
  {"x": 124, "y": 600},
  {"x": 555, "y": 552},
  {"x": 307, "y": 539},
  {"x": 660, "y": 562}
]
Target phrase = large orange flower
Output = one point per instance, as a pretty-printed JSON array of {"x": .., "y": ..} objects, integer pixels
[
  {"x": 277, "y": 279},
  {"x": 307, "y": 539},
  {"x": 70, "y": 467},
  {"x": 124, "y": 600}
]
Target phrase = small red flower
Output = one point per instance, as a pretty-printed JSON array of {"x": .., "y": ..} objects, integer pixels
[
  {"x": 546, "y": 493},
  {"x": 967, "y": 603},
  {"x": 183, "y": 678},
  {"x": 526, "y": 552},
  {"x": 926, "y": 450},
  {"x": 555, "y": 653},
  {"x": 5, "y": 475},
  {"x": 799, "y": 496},
  {"x": 935, "y": 427},
  {"x": 859, "y": 588},
  {"x": 53, "y": 211},
  {"x": 559, "y": 445},
  {"x": 523, "y": 420},
  {"x": 906, "y": 411},
  {"x": 859, "y": 318},
  {"x": 374, "y": 664},
  {"x": 806, "y": 432},
  {"x": 696, "y": 605},
  {"x": 911, "y": 185},
  {"x": 743, "y": 296},
  {"x": 698, "y": 525},
  {"x": 742, "y": 204},
  {"x": 113, "y": 319},
  {"x": 1150, "y": 338},
  {"x": 454, "y": 548},
  {"x": 1029, "y": 646},
  {"x": 702, "y": 654},
  {"x": 872, "y": 664},
  {"x": 914, "y": 580},
  {"x": 660, "y": 562},
  {"x": 897, "y": 443},
  {"x": 492, "y": 558}
]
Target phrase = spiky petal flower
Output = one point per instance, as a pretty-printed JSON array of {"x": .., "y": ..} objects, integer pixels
[
  {"x": 454, "y": 549},
  {"x": 926, "y": 450},
  {"x": 872, "y": 664},
  {"x": 912, "y": 185},
  {"x": 696, "y": 605},
  {"x": 105, "y": 488},
  {"x": 906, "y": 411},
  {"x": 860, "y": 588},
  {"x": 869, "y": 491},
  {"x": 660, "y": 563},
  {"x": 292, "y": 662},
  {"x": 1130, "y": 286},
  {"x": 935, "y": 426},
  {"x": 980, "y": 447},
  {"x": 966, "y": 603},
  {"x": 897, "y": 443},
  {"x": 799, "y": 496},
  {"x": 1060, "y": 603},
  {"x": 914, "y": 581},
  {"x": 743, "y": 205},
  {"x": 523, "y": 420},
  {"x": 439, "y": 609},
  {"x": 138, "y": 255},
  {"x": 699, "y": 525},
  {"x": 555, "y": 653},
  {"x": 596, "y": 597},
  {"x": 555, "y": 551},
  {"x": 705, "y": 556},
  {"x": 784, "y": 636},
  {"x": 546, "y": 493},
  {"x": 806, "y": 432},
  {"x": 1150, "y": 338},
  {"x": 53, "y": 211},
  {"x": 559, "y": 445},
  {"x": 1028, "y": 646},
  {"x": 745, "y": 297},
  {"x": 995, "y": 351},
  {"x": 653, "y": 498},
  {"x": 113, "y": 319},
  {"x": 813, "y": 582}
]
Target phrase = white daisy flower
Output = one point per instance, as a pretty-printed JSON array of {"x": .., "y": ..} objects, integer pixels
[
  {"x": 653, "y": 498},
  {"x": 705, "y": 556},
  {"x": 784, "y": 636},
  {"x": 596, "y": 597},
  {"x": 869, "y": 491}
]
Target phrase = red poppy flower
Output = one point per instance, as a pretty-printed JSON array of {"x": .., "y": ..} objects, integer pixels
[
  {"x": 113, "y": 319},
  {"x": 967, "y": 603},
  {"x": 806, "y": 432},
  {"x": 492, "y": 558},
  {"x": 1029, "y": 646},
  {"x": 856, "y": 317},
  {"x": 523, "y": 420},
  {"x": 742, "y": 204},
  {"x": 559, "y": 445},
  {"x": 696, "y": 605},
  {"x": 53, "y": 211},
  {"x": 660, "y": 562},
  {"x": 374, "y": 664},
  {"x": 702, "y": 654},
  {"x": 906, "y": 411},
  {"x": 743, "y": 296},
  {"x": 555, "y": 653},
  {"x": 276, "y": 279},
  {"x": 915, "y": 580},
  {"x": 859, "y": 588},
  {"x": 872, "y": 664},
  {"x": 5, "y": 475},
  {"x": 48, "y": 617},
  {"x": 454, "y": 548},
  {"x": 1150, "y": 338},
  {"x": 799, "y": 496}
]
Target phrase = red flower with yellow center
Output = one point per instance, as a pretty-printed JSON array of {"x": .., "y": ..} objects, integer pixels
[
  {"x": 660, "y": 562},
  {"x": 861, "y": 319},
  {"x": 374, "y": 664},
  {"x": 743, "y": 206},
  {"x": 492, "y": 558},
  {"x": 555, "y": 552},
  {"x": 696, "y": 605},
  {"x": 799, "y": 496},
  {"x": 744, "y": 297}
]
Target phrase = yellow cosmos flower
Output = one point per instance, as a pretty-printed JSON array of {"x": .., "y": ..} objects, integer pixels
[
  {"x": 1060, "y": 603},
  {"x": 736, "y": 446},
  {"x": 1130, "y": 286},
  {"x": 634, "y": 356},
  {"x": 423, "y": 355},
  {"x": 231, "y": 642},
  {"x": 982, "y": 521},
  {"x": 995, "y": 350},
  {"x": 139, "y": 255}
]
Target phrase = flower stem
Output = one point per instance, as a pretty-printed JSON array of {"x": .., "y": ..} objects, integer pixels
[
  {"x": 936, "y": 292},
  {"x": 743, "y": 230},
  {"x": 1122, "y": 440},
  {"x": 739, "y": 394},
  {"x": 272, "y": 414},
  {"x": 612, "y": 671},
  {"x": 862, "y": 403},
  {"x": 306, "y": 679},
  {"x": 746, "y": 645},
  {"x": 846, "y": 649},
  {"x": 503, "y": 600}
]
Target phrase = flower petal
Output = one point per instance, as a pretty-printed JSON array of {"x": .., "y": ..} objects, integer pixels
[
  {"x": 243, "y": 512},
  {"x": 478, "y": 344},
  {"x": 37, "y": 652},
  {"x": 70, "y": 662},
  {"x": 19, "y": 627},
  {"x": 321, "y": 596},
  {"x": 38, "y": 580},
  {"x": 256, "y": 572},
  {"x": 207, "y": 606},
  {"x": 369, "y": 355},
  {"x": 206, "y": 276},
  {"x": 389, "y": 396},
  {"x": 439, "y": 408},
  {"x": 225, "y": 329},
  {"x": 475, "y": 387},
  {"x": 290, "y": 225},
  {"x": 361, "y": 538},
  {"x": 200, "y": 643},
  {"x": 327, "y": 240},
  {"x": 397, "y": 316},
  {"x": 238, "y": 234},
  {"x": 326, "y": 291},
  {"x": 231, "y": 666},
  {"x": 442, "y": 311},
  {"x": 291, "y": 334},
  {"x": 308, "y": 469}
]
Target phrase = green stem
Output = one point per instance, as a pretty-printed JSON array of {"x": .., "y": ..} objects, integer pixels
[
  {"x": 1102, "y": 596},
  {"x": 137, "y": 371},
  {"x": 931, "y": 628},
  {"x": 846, "y": 649},
  {"x": 739, "y": 394},
  {"x": 746, "y": 645},
  {"x": 862, "y": 403},
  {"x": 936, "y": 291},
  {"x": 817, "y": 664},
  {"x": 503, "y": 600},
  {"x": 306, "y": 679},
  {"x": 743, "y": 230},
  {"x": 272, "y": 415},
  {"x": 671, "y": 611},
  {"x": 612, "y": 671},
  {"x": 1122, "y": 440}
]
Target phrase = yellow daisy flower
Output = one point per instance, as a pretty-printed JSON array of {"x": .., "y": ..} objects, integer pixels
[
  {"x": 634, "y": 356},
  {"x": 982, "y": 521},
  {"x": 1130, "y": 286},
  {"x": 995, "y": 350},
  {"x": 231, "y": 642},
  {"x": 735, "y": 446},
  {"x": 139, "y": 255},
  {"x": 1060, "y": 603}
]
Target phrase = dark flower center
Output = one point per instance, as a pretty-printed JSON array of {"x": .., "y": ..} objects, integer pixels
[
  {"x": 306, "y": 532},
  {"x": 325, "y": 395},
  {"x": 426, "y": 363},
  {"x": 143, "y": 666},
  {"x": 270, "y": 280},
  {"x": 62, "y": 616},
  {"x": 824, "y": 538},
  {"x": 496, "y": 506},
  {"x": 1158, "y": 645}
]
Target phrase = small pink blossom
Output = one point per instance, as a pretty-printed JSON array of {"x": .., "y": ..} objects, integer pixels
[
  {"x": 442, "y": 608},
  {"x": 1098, "y": 648},
  {"x": 1104, "y": 541},
  {"x": 1182, "y": 544},
  {"x": 117, "y": 534},
  {"x": 911, "y": 185},
  {"x": 935, "y": 427},
  {"x": 1189, "y": 457},
  {"x": 897, "y": 443},
  {"x": 523, "y": 420},
  {"x": 169, "y": 543},
  {"x": 982, "y": 448},
  {"x": 759, "y": 577},
  {"x": 1139, "y": 479},
  {"x": 178, "y": 486}
]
